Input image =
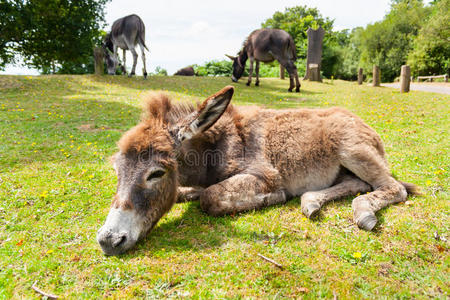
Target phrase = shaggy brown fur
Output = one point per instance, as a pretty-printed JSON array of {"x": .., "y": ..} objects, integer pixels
[{"x": 242, "y": 158}]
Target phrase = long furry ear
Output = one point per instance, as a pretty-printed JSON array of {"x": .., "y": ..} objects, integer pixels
[
  {"x": 156, "y": 106},
  {"x": 208, "y": 113}
]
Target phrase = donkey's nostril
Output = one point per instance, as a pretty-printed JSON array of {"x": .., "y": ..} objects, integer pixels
[{"x": 118, "y": 239}]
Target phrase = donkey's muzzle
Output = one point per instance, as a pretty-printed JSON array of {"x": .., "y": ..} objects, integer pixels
[
  {"x": 113, "y": 243},
  {"x": 120, "y": 232}
]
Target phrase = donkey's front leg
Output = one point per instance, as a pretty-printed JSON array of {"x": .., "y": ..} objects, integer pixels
[
  {"x": 257, "y": 73},
  {"x": 187, "y": 194},
  {"x": 124, "y": 66},
  {"x": 239, "y": 193},
  {"x": 250, "y": 71}
]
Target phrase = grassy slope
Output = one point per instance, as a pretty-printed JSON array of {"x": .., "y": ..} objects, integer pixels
[{"x": 57, "y": 132}]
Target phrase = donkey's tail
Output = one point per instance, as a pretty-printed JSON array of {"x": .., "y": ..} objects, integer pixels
[
  {"x": 412, "y": 189},
  {"x": 141, "y": 35},
  {"x": 292, "y": 48}
]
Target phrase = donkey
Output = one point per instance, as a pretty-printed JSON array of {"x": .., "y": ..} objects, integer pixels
[
  {"x": 235, "y": 159},
  {"x": 187, "y": 71},
  {"x": 267, "y": 45},
  {"x": 125, "y": 33}
]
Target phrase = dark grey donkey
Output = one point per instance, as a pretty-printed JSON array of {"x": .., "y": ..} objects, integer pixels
[
  {"x": 267, "y": 45},
  {"x": 125, "y": 33}
]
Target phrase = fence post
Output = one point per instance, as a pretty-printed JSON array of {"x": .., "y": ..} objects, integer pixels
[
  {"x": 281, "y": 72},
  {"x": 98, "y": 61},
  {"x": 376, "y": 76},
  {"x": 360, "y": 76},
  {"x": 405, "y": 77}
]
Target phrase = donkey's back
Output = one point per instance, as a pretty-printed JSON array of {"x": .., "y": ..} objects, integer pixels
[{"x": 306, "y": 146}]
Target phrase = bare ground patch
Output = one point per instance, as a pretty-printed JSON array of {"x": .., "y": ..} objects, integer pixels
[
  {"x": 9, "y": 82},
  {"x": 92, "y": 128}
]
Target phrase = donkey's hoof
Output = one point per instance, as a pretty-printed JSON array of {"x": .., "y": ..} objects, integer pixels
[
  {"x": 290, "y": 90},
  {"x": 131, "y": 74},
  {"x": 145, "y": 75},
  {"x": 367, "y": 221},
  {"x": 257, "y": 83},
  {"x": 248, "y": 84},
  {"x": 311, "y": 210},
  {"x": 297, "y": 90}
]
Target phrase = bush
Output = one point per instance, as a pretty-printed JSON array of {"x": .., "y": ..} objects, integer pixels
[{"x": 225, "y": 68}]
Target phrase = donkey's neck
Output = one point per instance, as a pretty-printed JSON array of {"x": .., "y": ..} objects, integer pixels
[
  {"x": 213, "y": 155},
  {"x": 243, "y": 56}
]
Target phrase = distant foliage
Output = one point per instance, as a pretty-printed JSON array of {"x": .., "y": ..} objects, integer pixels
[
  {"x": 214, "y": 68},
  {"x": 431, "y": 48},
  {"x": 224, "y": 68},
  {"x": 54, "y": 36},
  {"x": 160, "y": 71},
  {"x": 387, "y": 43}
]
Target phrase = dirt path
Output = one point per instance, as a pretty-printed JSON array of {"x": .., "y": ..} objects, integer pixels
[{"x": 437, "y": 87}]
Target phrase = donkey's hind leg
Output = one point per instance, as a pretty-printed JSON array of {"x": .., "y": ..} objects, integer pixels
[
  {"x": 144, "y": 71},
  {"x": 239, "y": 193},
  {"x": 290, "y": 67},
  {"x": 349, "y": 185},
  {"x": 368, "y": 163}
]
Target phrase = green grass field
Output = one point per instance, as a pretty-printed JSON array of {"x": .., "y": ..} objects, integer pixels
[{"x": 56, "y": 184}]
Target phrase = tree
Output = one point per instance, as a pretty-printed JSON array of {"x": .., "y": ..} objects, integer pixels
[
  {"x": 387, "y": 43},
  {"x": 51, "y": 35},
  {"x": 431, "y": 53},
  {"x": 350, "y": 54}
]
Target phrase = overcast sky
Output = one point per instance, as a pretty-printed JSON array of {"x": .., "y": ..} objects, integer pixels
[{"x": 180, "y": 33}]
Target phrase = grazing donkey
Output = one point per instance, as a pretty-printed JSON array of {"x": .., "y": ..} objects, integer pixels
[
  {"x": 125, "y": 33},
  {"x": 267, "y": 45},
  {"x": 236, "y": 159}
]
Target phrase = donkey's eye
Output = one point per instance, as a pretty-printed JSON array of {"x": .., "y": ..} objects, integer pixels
[{"x": 156, "y": 174}]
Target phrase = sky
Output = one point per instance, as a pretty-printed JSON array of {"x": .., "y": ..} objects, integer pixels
[{"x": 181, "y": 33}]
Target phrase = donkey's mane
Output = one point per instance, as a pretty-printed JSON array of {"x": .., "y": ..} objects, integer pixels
[
  {"x": 159, "y": 113},
  {"x": 159, "y": 105}
]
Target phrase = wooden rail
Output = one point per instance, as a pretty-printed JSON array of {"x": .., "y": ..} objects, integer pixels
[{"x": 432, "y": 77}]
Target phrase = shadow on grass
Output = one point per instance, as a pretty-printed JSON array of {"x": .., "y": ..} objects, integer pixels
[
  {"x": 195, "y": 230},
  {"x": 203, "y": 87}
]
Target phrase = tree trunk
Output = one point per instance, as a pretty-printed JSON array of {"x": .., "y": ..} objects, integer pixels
[
  {"x": 314, "y": 54},
  {"x": 405, "y": 77},
  {"x": 98, "y": 61},
  {"x": 281, "y": 72},
  {"x": 376, "y": 76},
  {"x": 360, "y": 76},
  {"x": 314, "y": 73}
]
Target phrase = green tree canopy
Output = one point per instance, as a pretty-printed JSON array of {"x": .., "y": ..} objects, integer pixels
[
  {"x": 431, "y": 52},
  {"x": 387, "y": 43},
  {"x": 51, "y": 35}
]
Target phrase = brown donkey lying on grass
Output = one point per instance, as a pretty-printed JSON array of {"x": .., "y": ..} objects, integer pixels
[{"x": 236, "y": 159}]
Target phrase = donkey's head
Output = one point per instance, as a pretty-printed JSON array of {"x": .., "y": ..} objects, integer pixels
[
  {"x": 146, "y": 167},
  {"x": 238, "y": 65},
  {"x": 110, "y": 59}
]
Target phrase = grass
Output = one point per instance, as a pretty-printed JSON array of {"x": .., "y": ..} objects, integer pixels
[{"x": 56, "y": 185}]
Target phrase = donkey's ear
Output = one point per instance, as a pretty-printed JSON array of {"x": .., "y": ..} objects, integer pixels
[{"x": 208, "y": 113}]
